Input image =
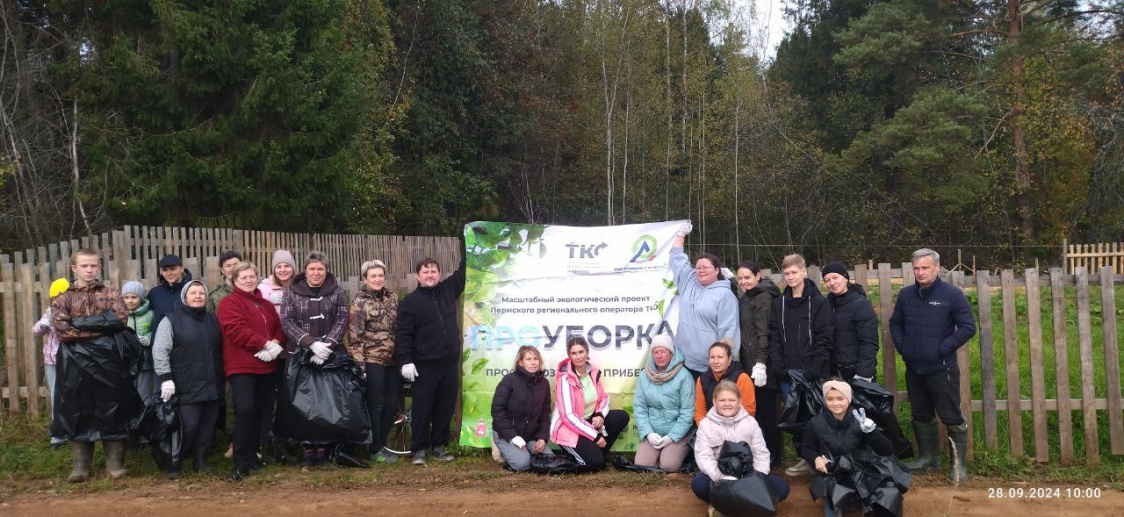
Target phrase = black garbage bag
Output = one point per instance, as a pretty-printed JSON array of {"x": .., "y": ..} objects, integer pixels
[
  {"x": 803, "y": 402},
  {"x": 322, "y": 404},
  {"x": 622, "y": 463},
  {"x": 863, "y": 480},
  {"x": 879, "y": 405},
  {"x": 345, "y": 456},
  {"x": 556, "y": 464},
  {"x": 95, "y": 398},
  {"x": 735, "y": 459},
  {"x": 160, "y": 423},
  {"x": 750, "y": 495}
]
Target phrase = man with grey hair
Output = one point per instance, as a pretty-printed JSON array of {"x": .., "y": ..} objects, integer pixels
[{"x": 931, "y": 321}]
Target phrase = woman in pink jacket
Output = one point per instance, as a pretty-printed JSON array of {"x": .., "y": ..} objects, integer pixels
[
  {"x": 728, "y": 421},
  {"x": 582, "y": 423}
]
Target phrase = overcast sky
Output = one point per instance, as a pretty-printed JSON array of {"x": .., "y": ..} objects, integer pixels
[{"x": 769, "y": 26}]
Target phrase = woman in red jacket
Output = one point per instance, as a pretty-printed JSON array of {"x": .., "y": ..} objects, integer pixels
[{"x": 251, "y": 344}]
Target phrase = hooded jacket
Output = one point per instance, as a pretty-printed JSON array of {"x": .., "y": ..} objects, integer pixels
[
  {"x": 704, "y": 390},
  {"x": 188, "y": 350},
  {"x": 755, "y": 307},
  {"x": 828, "y": 436},
  {"x": 427, "y": 322},
  {"x": 247, "y": 322},
  {"x": 164, "y": 297},
  {"x": 929, "y": 325},
  {"x": 856, "y": 331},
  {"x": 801, "y": 333},
  {"x": 715, "y": 430},
  {"x": 373, "y": 325},
  {"x": 706, "y": 313},
  {"x": 566, "y": 422},
  {"x": 88, "y": 300},
  {"x": 665, "y": 409},
  {"x": 142, "y": 321},
  {"x": 521, "y": 406},
  {"x": 308, "y": 317}
]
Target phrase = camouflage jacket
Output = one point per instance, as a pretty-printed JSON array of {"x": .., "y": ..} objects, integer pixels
[
  {"x": 372, "y": 325},
  {"x": 217, "y": 294},
  {"x": 89, "y": 300}
]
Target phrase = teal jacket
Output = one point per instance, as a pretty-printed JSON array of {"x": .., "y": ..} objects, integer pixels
[{"x": 666, "y": 409}]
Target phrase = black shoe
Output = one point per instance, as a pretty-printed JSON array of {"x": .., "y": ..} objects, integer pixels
[
  {"x": 439, "y": 454},
  {"x": 172, "y": 474},
  {"x": 237, "y": 474}
]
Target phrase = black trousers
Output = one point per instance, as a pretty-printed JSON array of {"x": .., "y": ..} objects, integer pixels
[
  {"x": 936, "y": 392},
  {"x": 587, "y": 453},
  {"x": 767, "y": 417},
  {"x": 268, "y": 404},
  {"x": 250, "y": 392},
  {"x": 383, "y": 385},
  {"x": 435, "y": 397},
  {"x": 198, "y": 421}
]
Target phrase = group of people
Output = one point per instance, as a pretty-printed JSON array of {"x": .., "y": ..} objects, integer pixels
[{"x": 227, "y": 346}]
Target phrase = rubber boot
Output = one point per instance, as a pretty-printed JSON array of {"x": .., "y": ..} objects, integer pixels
[
  {"x": 199, "y": 458},
  {"x": 958, "y": 454},
  {"x": 114, "y": 458},
  {"x": 83, "y": 454},
  {"x": 928, "y": 456}
]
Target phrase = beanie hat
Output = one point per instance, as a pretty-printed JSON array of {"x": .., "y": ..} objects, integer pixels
[
  {"x": 663, "y": 341},
  {"x": 836, "y": 267},
  {"x": 282, "y": 257},
  {"x": 133, "y": 287},
  {"x": 183, "y": 292},
  {"x": 839, "y": 386},
  {"x": 59, "y": 286}
]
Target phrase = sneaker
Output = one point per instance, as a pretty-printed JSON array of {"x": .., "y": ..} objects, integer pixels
[
  {"x": 399, "y": 417},
  {"x": 439, "y": 454},
  {"x": 419, "y": 458},
  {"x": 384, "y": 456},
  {"x": 801, "y": 468}
]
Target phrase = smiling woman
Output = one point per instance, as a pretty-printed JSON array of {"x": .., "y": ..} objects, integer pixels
[{"x": 708, "y": 310}]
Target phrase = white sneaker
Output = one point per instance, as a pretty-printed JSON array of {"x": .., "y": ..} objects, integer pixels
[{"x": 801, "y": 468}]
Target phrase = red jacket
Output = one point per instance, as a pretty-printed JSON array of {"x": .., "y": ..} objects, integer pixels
[{"x": 248, "y": 322}]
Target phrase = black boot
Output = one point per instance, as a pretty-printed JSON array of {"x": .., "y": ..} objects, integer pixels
[
  {"x": 928, "y": 457},
  {"x": 958, "y": 454},
  {"x": 83, "y": 454},
  {"x": 114, "y": 458},
  {"x": 199, "y": 459}
]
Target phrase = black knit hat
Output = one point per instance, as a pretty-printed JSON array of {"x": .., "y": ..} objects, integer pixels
[{"x": 836, "y": 267}]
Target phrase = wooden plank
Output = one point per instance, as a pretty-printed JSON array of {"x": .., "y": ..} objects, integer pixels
[
  {"x": 11, "y": 347},
  {"x": 1112, "y": 363},
  {"x": 25, "y": 318},
  {"x": 1037, "y": 366},
  {"x": 1061, "y": 365},
  {"x": 987, "y": 359},
  {"x": 1051, "y": 405},
  {"x": 1085, "y": 342},
  {"x": 1011, "y": 351},
  {"x": 885, "y": 309}
]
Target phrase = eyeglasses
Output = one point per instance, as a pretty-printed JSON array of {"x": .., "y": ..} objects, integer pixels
[{"x": 703, "y": 268}]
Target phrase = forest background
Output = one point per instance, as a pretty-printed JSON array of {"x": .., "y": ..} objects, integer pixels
[{"x": 877, "y": 127}]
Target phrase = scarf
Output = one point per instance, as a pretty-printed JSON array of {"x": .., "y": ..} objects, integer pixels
[{"x": 658, "y": 377}]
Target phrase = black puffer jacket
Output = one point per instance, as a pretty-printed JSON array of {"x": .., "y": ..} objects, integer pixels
[
  {"x": 427, "y": 322},
  {"x": 801, "y": 333},
  {"x": 164, "y": 298},
  {"x": 521, "y": 406},
  {"x": 196, "y": 356},
  {"x": 855, "y": 348},
  {"x": 828, "y": 436},
  {"x": 755, "y": 307}
]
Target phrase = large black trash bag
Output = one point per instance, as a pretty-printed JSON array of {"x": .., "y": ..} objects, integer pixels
[
  {"x": 803, "y": 402},
  {"x": 750, "y": 495},
  {"x": 556, "y": 464},
  {"x": 863, "y": 480},
  {"x": 879, "y": 405},
  {"x": 160, "y": 423},
  {"x": 622, "y": 463},
  {"x": 322, "y": 404},
  {"x": 95, "y": 398}
]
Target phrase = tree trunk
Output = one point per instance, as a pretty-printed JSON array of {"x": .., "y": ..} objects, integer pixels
[{"x": 1022, "y": 170}]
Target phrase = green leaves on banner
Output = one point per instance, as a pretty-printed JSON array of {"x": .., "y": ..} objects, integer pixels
[{"x": 479, "y": 364}]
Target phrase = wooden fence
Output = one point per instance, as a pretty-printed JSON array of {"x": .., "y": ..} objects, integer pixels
[
  {"x": 132, "y": 253},
  {"x": 1094, "y": 256}
]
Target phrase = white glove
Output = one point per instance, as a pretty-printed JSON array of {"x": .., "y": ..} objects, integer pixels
[
  {"x": 321, "y": 349},
  {"x": 145, "y": 340},
  {"x": 409, "y": 372},
  {"x": 316, "y": 360},
  {"x": 276, "y": 296},
  {"x": 759, "y": 375},
  {"x": 727, "y": 274},
  {"x": 865, "y": 424},
  {"x": 653, "y": 439},
  {"x": 728, "y": 478},
  {"x": 518, "y": 441},
  {"x": 685, "y": 229},
  {"x": 167, "y": 390},
  {"x": 274, "y": 350},
  {"x": 263, "y": 355},
  {"x": 867, "y": 379},
  {"x": 664, "y": 442}
]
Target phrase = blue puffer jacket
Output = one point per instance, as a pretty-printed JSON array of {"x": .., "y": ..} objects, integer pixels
[
  {"x": 930, "y": 324},
  {"x": 668, "y": 408}
]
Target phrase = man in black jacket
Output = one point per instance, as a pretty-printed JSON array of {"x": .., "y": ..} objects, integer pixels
[
  {"x": 429, "y": 349},
  {"x": 931, "y": 321}
]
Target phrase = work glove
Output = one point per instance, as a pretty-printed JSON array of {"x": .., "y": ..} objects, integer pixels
[
  {"x": 144, "y": 340},
  {"x": 653, "y": 439},
  {"x": 759, "y": 375},
  {"x": 684, "y": 230},
  {"x": 316, "y": 360},
  {"x": 321, "y": 350},
  {"x": 727, "y": 274},
  {"x": 865, "y": 424},
  {"x": 263, "y": 355},
  {"x": 276, "y": 296},
  {"x": 518, "y": 441},
  {"x": 167, "y": 390},
  {"x": 664, "y": 442},
  {"x": 867, "y": 379},
  {"x": 728, "y": 478},
  {"x": 409, "y": 372},
  {"x": 274, "y": 350}
]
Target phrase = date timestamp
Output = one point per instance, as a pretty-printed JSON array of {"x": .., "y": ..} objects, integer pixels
[{"x": 1044, "y": 493}]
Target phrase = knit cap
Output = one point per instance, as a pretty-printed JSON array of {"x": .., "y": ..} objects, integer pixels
[
  {"x": 663, "y": 341},
  {"x": 282, "y": 257},
  {"x": 836, "y": 267},
  {"x": 133, "y": 287},
  {"x": 839, "y": 386}
]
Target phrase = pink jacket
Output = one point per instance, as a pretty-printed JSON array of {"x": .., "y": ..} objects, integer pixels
[
  {"x": 266, "y": 288},
  {"x": 715, "y": 430},
  {"x": 45, "y": 329},
  {"x": 566, "y": 422}
]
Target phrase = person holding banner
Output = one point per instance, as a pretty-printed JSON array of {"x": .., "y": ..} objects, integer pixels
[
  {"x": 521, "y": 411},
  {"x": 582, "y": 423},
  {"x": 722, "y": 367},
  {"x": 708, "y": 311},
  {"x": 756, "y": 307},
  {"x": 664, "y": 397}
]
